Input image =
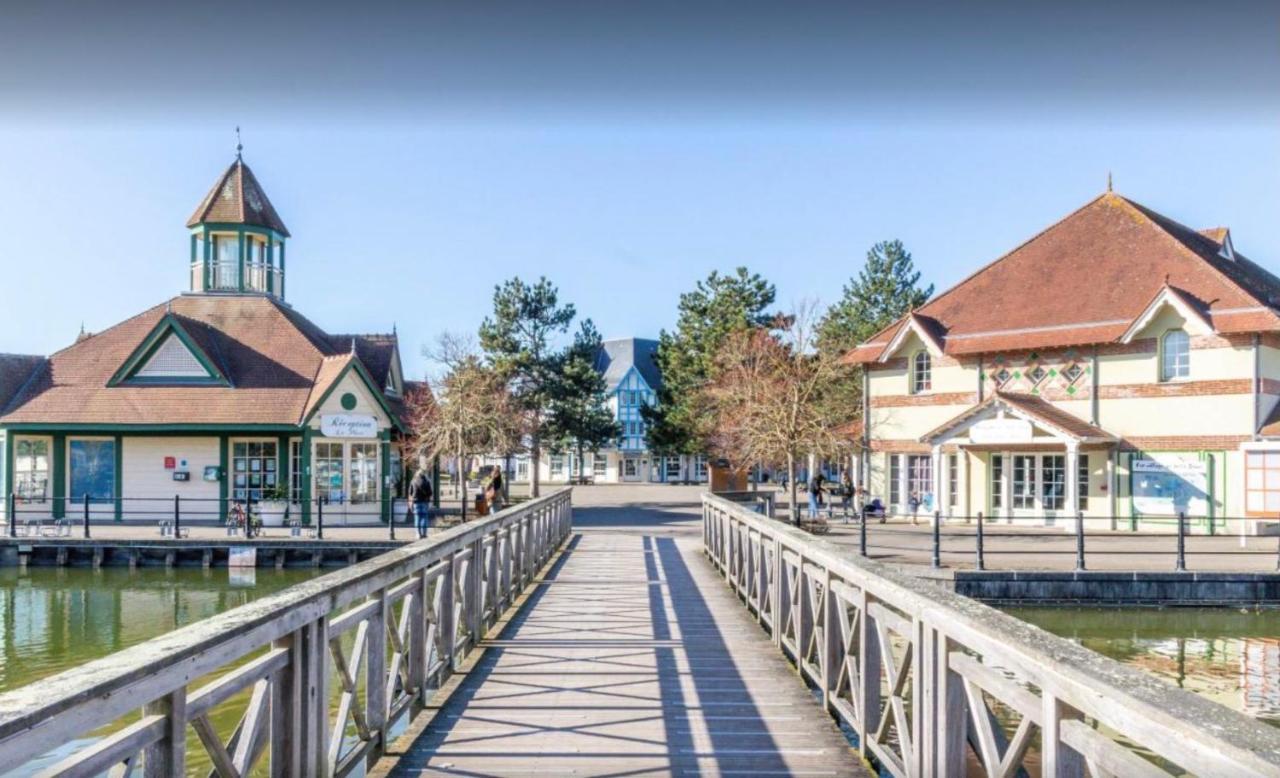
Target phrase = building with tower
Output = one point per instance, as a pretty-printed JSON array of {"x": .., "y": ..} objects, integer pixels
[{"x": 220, "y": 395}]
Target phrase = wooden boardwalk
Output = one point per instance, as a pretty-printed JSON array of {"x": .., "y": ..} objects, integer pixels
[{"x": 631, "y": 658}]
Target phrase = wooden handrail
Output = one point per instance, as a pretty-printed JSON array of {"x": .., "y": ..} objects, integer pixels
[
  {"x": 851, "y": 624},
  {"x": 450, "y": 588}
]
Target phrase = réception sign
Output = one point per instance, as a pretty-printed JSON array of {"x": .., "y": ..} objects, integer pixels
[
  {"x": 1005, "y": 430},
  {"x": 348, "y": 425}
]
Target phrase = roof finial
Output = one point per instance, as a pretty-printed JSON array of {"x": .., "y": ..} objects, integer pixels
[
  {"x": 239, "y": 145},
  {"x": 1109, "y": 181},
  {"x": 353, "y": 347}
]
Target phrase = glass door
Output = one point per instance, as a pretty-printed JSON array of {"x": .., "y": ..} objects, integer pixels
[{"x": 1023, "y": 499}]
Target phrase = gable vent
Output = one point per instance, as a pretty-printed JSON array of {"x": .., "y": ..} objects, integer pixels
[{"x": 172, "y": 360}]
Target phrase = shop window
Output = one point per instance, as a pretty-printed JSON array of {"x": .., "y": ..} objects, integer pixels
[
  {"x": 364, "y": 473},
  {"x": 31, "y": 470},
  {"x": 921, "y": 372},
  {"x": 1024, "y": 482},
  {"x": 557, "y": 465},
  {"x": 1082, "y": 474},
  {"x": 93, "y": 470},
  {"x": 997, "y": 482},
  {"x": 253, "y": 469},
  {"x": 700, "y": 468},
  {"x": 1053, "y": 482},
  {"x": 673, "y": 468},
  {"x": 1175, "y": 356},
  {"x": 629, "y": 467},
  {"x": 328, "y": 471},
  {"x": 599, "y": 465},
  {"x": 295, "y": 471},
  {"x": 1262, "y": 483},
  {"x": 895, "y": 480}
]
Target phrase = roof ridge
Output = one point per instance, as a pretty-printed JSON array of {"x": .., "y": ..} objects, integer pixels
[{"x": 117, "y": 325}]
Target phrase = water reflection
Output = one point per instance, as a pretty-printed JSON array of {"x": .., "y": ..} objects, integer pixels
[{"x": 1229, "y": 656}]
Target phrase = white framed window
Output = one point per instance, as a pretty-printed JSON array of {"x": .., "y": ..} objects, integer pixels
[
  {"x": 295, "y": 471},
  {"x": 997, "y": 482},
  {"x": 1082, "y": 476},
  {"x": 599, "y": 465},
  {"x": 363, "y": 462},
  {"x": 1024, "y": 481},
  {"x": 253, "y": 469},
  {"x": 329, "y": 474},
  {"x": 1053, "y": 482},
  {"x": 895, "y": 480},
  {"x": 1175, "y": 356},
  {"x": 921, "y": 372},
  {"x": 629, "y": 467},
  {"x": 31, "y": 469},
  {"x": 920, "y": 477},
  {"x": 557, "y": 465},
  {"x": 953, "y": 481}
]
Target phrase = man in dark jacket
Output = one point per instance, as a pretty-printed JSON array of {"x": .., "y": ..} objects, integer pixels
[{"x": 420, "y": 494}]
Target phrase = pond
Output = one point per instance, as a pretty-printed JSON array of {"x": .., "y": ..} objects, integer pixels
[
  {"x": 59, "y": 618},
  {"x": 1229, "y": 656}
]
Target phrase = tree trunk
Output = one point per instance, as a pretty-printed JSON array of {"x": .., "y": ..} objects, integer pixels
[
  {"x": 791, "y": 480},
  {"x": 535, "y": 456},
  {"x": 462, "y": 482},
  {"x": 582, "y": 464}
]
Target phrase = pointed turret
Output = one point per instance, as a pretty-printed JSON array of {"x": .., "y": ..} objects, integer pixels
[{"x": 237, "y": 238}]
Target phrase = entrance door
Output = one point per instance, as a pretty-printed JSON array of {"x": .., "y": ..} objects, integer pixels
[
  {"x": 1039, "y": 486},
  {"x": 630, "y": 469}
]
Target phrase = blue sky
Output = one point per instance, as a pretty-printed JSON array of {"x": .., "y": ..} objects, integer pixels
[{"x": 407, "y": 206}]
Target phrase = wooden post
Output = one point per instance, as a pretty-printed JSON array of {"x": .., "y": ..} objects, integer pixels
[
  {"x": 168, "y": 755},
  {"x": 870, "y": 671},
  {"x": 315, "y": 698},
  {"x": 1057, "y": 760},
  {"x": 287, "y": 710},
  {"x": 832, "y": 647},
  {"x": 376, "y": 676},
  {"x": 417, "y": 652},
  {"x": 447, "y": 585},
  {"x": 473, "y": 606},
  {"x": 953, "y": 719}
]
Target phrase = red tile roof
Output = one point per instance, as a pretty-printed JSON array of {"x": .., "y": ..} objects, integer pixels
[
  {"x": 238, "y": 198},
  {"x": 273, "y": 357},
  {"x": 1085, "y": 279}
]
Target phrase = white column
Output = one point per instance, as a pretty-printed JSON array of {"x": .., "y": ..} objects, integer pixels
[
  {"x": 962, "y": 483},
  {"x": 1073, "y": 482},
  {"x": 903, "y": 481},
  {"x": 938, "y": 479}
]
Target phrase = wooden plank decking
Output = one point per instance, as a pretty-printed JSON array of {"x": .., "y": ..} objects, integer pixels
[{"x": 631, "y": 658}]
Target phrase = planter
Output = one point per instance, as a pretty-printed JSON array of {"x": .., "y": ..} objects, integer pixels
[{"x": 272, "y": 512}]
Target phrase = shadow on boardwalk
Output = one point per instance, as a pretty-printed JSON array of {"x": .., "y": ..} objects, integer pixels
[{"x": 629, "y": 659}]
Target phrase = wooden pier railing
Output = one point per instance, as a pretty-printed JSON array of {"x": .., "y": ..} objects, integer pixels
[
  {"x": 402, "y": 621},
  {"x": 934, "y": 683}
]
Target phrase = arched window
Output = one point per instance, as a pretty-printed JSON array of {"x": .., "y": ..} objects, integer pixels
[
  {"x": 1175, "y": 355},
  {"x": 921, "y": 373}
]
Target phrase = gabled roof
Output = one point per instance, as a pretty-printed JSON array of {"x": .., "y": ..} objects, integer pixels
[
  {"x": 169, "y": 326},
  {"x": 616, "y": 358},
  {"x": 15, "y": 371},
  {"x": 238, "y": 198},
  {"x": 1032, "y": 408},
  {"x": 270, "y": 355},
  {"x": 924, "y": 327},
  {"x": 332, "y": 370},
  {"x": 1085, "y": 279},
  {"x": 1189, "y": 309}
]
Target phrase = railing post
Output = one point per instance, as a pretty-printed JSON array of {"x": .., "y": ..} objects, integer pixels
[
  {"x": 474, "y": 598},
  {"x": 319, "y": 519},
  {"x": 391, "y": 521},
  {"x": 376, "y": 676},
  {"x": 1182, "y": 543},
  {"x": 1057, "y": 760},
  {"x": 937, "y": 539},
  {"x": 953, "y": 718},
  {"x": 981, "y": 562},
  {"x": 314, "y": 697},
  {"x": 86, "y": 516},
  {"x": 445, "y": 618},
  {"x": 168, "y": 755},
  {"x": 11, "y": 513},
  {"x": 1079, "y": 540},
  {"x": 177, "y": 516},
  {"x": 287, "y": 710},
  {"x": 417, "y": 652},
  {"x": 869, "y": 672}
]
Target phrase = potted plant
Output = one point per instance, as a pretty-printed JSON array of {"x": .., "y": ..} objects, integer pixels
[{"x": 274, "y": 506}]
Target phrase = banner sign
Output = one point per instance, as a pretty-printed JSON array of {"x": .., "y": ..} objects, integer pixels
[
  {"x": 348, "y": 425},
  {"x": 1000, "y": 430},
  {"x": 1169, "y": 484}
]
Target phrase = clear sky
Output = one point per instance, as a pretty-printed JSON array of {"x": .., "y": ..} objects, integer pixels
[{"x": 420, "y": 154}]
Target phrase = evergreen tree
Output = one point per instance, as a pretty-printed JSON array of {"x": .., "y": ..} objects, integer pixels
[
  {"x": 681, "y": 421},
  {"x": 517, "y": 340},
  {"x": 886, "y": 288},
  {"x": 579, "y": 416}
]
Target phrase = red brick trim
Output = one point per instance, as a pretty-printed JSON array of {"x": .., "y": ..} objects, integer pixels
[
  {"x": 1184, "y": 442},
  {"x": 916, "y": 400},
  {"x": 901, "y": 446},
  {"x": 1177, "y": 389}
]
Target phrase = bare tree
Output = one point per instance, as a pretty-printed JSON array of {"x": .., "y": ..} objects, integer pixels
[
  {"x": 470, "y": 409},
  {"x": 776, "y": 398}
]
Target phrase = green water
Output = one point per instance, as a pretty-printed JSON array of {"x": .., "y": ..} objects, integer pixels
[
  {"x": 58, "y": 618},
  {"x": 1229, "y": 656}
]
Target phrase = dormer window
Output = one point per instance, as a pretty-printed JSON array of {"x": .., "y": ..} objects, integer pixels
[
  {"x": 1175, "y": 356},
  {"x": 921, "y": 372},
  {"x": 1227, "y": 251}
]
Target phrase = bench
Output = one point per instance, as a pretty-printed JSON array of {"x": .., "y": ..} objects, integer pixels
[{"x": 817, "y": 526}]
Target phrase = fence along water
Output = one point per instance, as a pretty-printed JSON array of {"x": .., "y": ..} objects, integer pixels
[
  {"x": 414, "y": 613},
  {"x": 926, "y": 677}
]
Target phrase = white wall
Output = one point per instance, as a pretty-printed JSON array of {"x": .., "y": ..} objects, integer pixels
[{"x": 144, "y": 475}]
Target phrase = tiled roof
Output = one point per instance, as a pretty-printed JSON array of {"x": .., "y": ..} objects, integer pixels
[
  {"x": 1085, "y": 279},
  {"x": 1035, "y": 407},
  {"x": 15, "y": 371},
  {"x": 272, "y": 356},
  {"x": 377, "y": 352},
  {"x": 238, "y": 198},
  {"x": 616, "y": 357}
]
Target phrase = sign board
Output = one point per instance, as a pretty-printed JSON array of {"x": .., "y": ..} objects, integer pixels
[
  {"x": 242, "y": 556},
  {"x": 1169, "y": 484},
  {"x": 212, "y": 473},
  {"x": 170, "y": 463},
  {"x": 181, "y": 475},
  {"x": 1000, "y": 430},
  {"x": 348, "y": 425}
]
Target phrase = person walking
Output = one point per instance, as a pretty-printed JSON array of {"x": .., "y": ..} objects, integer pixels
[
  {"x": 913, "y": 506},
  {"x": 496, "y": 498},
  {"x": 815, "y": 494},
  {"x": 420, "y": 494}
]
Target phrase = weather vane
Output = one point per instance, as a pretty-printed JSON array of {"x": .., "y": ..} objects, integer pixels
[{"x": 239, "y": 145}]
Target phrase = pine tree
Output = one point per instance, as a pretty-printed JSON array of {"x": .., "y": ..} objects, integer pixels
[
  {"x": 579, "y": 416},
  {"x": 886, "y": 288},
  {"x": 680, "y": 422}
]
